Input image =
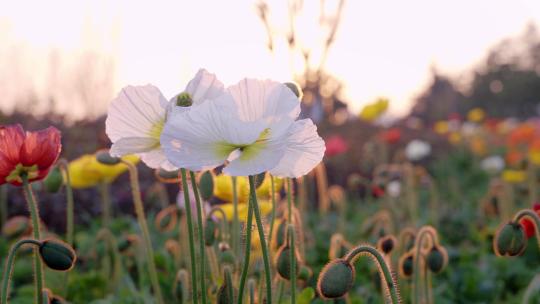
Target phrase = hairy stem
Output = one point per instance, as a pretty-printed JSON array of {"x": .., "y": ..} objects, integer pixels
[
  {"x": 202, "y": 253},
  {"x": 191, "y": 235},
  {"x": 8, "y": 269},
  {"x": 247, "y": 254}
]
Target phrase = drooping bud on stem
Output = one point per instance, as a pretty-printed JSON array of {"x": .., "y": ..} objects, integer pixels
[
  {"x": 336, "y": 279},
  {"x": 386, "y": 244},
  {"x": 406, "y": 265},
  {"x": 54, "y": 180},
  {"x": 437, "y": 259},
  {"x": 57, "y": 255},
  {"x": 510, "y": 240}
]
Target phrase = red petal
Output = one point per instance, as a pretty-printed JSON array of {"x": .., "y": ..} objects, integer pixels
[
  {"x": 536, "y": 206},
  {"x": 528, "y": 226},
  {"x": 41, "y": 148},
  {"x": 11, "y": 141}
]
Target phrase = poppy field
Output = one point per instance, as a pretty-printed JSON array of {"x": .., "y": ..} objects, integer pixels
[{"x": 225, "y": 195}]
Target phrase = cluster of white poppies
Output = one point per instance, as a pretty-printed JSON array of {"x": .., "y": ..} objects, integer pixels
[{"x": 250, "y": 127}]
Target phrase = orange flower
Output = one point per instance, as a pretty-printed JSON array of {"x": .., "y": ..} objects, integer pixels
[
  {"x": 514, "y": 157},
  {"x": 523, "y": 134}
]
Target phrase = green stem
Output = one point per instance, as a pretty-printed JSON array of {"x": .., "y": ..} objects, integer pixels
[
  {"x": 223, "y": 234},
  {"x": 9, "y": 266},
  {"x": 235, "y": 223},
  {"x": 293, "y": 263},
  {"x": 247, "y": 254},
  {"x": 262, "y": 238},
  {"x": 70, "y": 230},
  {"x": 289, "y": 201},
  {"x": 34, "y": 214},
  {"x": 280, "y": 291},
  {"x": 229, "y": 284},
  {"x": 3, "y": 204},
  {"x": 273, "y": 215},
  {"x": 419, "y": 243},
  {"x": 191, "y": 235},
  {"x": 139, "y": 210},
  {"x": 105, "y": 204},
  {"x": 382, "y": 266},
  {"x": 202, "y": 252}
]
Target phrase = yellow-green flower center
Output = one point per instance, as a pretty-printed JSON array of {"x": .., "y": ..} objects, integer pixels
[
  {"x": 156, "y": 130},
  {"x": 247, "y": 152},
  {"x": 16, "y": 175}
]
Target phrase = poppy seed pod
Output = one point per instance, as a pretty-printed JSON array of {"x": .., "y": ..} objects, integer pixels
[
  {"x": 206, "y": 185},
  {"x": 105, "y": 158},
  {"x": 210, "y": 232},
  {"x": 510, "y": 240},
  {"x": 406, "y": 265},
  {"x": 283, "y": 262},
  {"x": 57, "y": 255},
  {"x": 387, "y": 244},
  {"x": 336, "y": 279},
  {"x": 437, "y": 259},
  {"x": 54, "y": 180},
  {"x": 184, "y": 100},
  {"x": 295, "y": 88}
]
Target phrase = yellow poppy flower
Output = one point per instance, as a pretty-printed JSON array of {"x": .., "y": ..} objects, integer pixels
[
  {"x": 476, "y": 115},
  {"x": 514, "y": 176},
  {"x": 441, "y": 127},
  {"x": 373, "y": 111},
  {"x": 265, "y": 207},
  {"x": 223, "y": 188},
  {"x": 454, "y": 138},
  {"x": 86, "y": 171}
]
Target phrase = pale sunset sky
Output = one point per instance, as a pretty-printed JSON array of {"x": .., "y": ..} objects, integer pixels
[{"x": 383, "y": 48}]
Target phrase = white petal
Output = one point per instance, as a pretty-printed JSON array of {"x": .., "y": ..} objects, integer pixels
[
  {"x": 196, "y": 139},
  {"x": 130, "y": 145},
  {"x": 134, "y": 112},
  {"x": 263, "y": 99},
  {"x": 305, "y": 149},
  {"x": 156, "y": 159},
  {"x": 204, "y": 86},
  {"x": 266, "y": 159}
]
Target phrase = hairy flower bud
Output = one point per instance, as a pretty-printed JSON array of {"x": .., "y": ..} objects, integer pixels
[
  {"x": 387, "y": 243},
  {"x": 210, "y": 232},
  {"x": 283, "y": 262},
  {"x": 295, "y": 88},
  {"x": 206, "y": 185},
  {"x": 57, "y": 255},
  {"x": 510, "y": 240},
  {"x": 54, "y": 180},
  {"x": 104, "y": 157},
  {"x": 406, "y": 265},
  {"x": 437, "y": 259},
  {"x": 336, "y": 279}
]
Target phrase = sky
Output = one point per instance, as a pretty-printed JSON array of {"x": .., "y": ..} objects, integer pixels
[{"x": 382, "y": 48}]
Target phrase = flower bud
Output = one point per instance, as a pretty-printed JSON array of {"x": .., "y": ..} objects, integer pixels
[
  {"x": 57, "y": 255},
  {"x": 16, "y": 227},
  {"x": 224, "y": 295},
  {"x": 280, "y": 234},
  {"x": 437, "y": 259},
  {"x": 206, "y": 185},
  {"x": 210, "y": 232},
  {"x": 166, "y": 219},
  {"x": 406, "y": 264},
  {"x": 184, "y": 100},
  {"x": 295, "y": 88},
  {"x": 180, "y": 291},
  {"x": 104, "y": 157},
  {"x": 510, "y": 240},
  {"x": 54, "y": 180},
  {"x": 283, "y": 262},
  {"x": 387, "y": 243},
  {"x": 304, "y": 273},
  {"x": 226, "y": 255},
  {"x": 336, "y": 279}
]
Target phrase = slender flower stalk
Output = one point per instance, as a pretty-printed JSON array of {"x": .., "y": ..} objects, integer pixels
[
  {"x": 8, "y": 269},
  {"x": 292, "y": 263},
  {"x": 262, "y": 238},
  {"x": 139, "y": 210},
  {"x": 430, "y": 233},
  {"x": 247, "y": 253},
  {"x": 191, "y": 234},
  {"x": 235, "y": 223},
  {"x": 105, "y": 204},
  {"x": 3, "y": 205},
  {"x": 383, "y": 267},
  {"x": 273, "y": 215},
  {"x": 70, "y": 225},
  {"x": 34, "y": 214},
  {"x": 202, "y": 254}
]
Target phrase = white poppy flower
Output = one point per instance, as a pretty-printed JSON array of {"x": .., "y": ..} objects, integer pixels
[
  {"x": 137, "y": 115},
  {"x": 251, "y": 128},
  {"x": 492, "y": 164},
  {"x": 393, "y": 188},
  {"x": 417, "y": 149}
]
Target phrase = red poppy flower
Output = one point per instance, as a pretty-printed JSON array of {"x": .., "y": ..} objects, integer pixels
[
  {"x": 391, "y": 136},
  {"x": 31, "y": 153},
  {"x": 336, "y": 145},
  {"x": 528, "y": 226},
  {"x": 377, "y": 191}
]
